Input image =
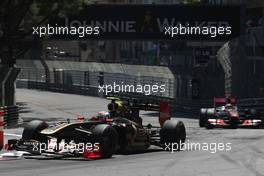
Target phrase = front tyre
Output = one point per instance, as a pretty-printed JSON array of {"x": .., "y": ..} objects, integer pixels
[
  {"x": 203, "y": 118},
  {"x": 32, "y": 130},
  {"x": 107, "y": 137}
]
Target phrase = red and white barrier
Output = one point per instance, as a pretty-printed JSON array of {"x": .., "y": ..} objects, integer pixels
[{"x": 2, "y": 113}]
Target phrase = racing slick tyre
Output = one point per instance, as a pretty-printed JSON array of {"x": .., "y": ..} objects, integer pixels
[
  {"x": 32, "y": 129},
  {"x": 107, "y": 137},
  {"x": 203, "y": 118},
  {"x": 209, "y": 126},
  {"x": 173, "y": 132}
]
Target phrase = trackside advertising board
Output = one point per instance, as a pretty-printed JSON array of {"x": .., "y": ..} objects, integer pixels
[{"x": 147, "y": 22}]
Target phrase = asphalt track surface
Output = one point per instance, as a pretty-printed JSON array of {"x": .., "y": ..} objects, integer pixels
[{"x": 246, "y": 157}]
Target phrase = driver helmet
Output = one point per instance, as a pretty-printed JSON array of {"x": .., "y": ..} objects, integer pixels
[
  {"x": 228, "y": 106},
  {"x": 103, "y": 115}
]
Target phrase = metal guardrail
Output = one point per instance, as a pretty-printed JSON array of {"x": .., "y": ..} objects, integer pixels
[
  {"x": 180, "y": 106},
  {"x": 251, "y": 102},
  {"x": 190, "y": 108},
  {"x": 256, "y": 103},
  {"x": 11, "y": 115},
  {"x": 85, "y": 79},
  {"x": 55, "y": 87}
]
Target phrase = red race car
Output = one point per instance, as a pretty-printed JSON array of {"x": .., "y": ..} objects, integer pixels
[{"x": 226, "y": 113}]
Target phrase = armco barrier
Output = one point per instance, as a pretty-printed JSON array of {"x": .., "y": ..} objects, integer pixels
[
  {"x": 11, "y": 115},
  {"x": 256, "y": 103},
  {"x": 180, "y": 106},
  {"x": 75, "y": 89},
  {"x": 189, "y": 108}
]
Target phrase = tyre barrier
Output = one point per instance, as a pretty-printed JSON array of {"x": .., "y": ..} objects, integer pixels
[{"x": 11, "y": 115}]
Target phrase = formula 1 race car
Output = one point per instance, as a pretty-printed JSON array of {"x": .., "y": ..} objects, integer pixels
[
  {"x": 226, "y": 113},
  {"x": 118, "y": 130}
]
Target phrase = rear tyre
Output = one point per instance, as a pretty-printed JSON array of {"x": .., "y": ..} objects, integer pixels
[
  {"x": 32, "y": 130},
  {"x": 202, "y": 118},
  {"x": 209, "y": 126},
  {"x": 173, "y": 132},
  {"x": 107, "y": 137}
]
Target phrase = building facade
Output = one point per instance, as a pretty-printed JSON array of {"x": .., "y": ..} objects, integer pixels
[{"x": 196, "y": 76}]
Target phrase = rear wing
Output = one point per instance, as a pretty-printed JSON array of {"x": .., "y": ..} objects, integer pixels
[
  {"x": 224, "y": 101},
  {"x": 164, "y": 109}
]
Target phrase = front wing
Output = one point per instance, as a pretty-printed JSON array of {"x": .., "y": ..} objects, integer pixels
[{"x": 218, "y": 122}]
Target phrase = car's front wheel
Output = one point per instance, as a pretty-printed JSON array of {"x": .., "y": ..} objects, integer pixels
[
  {"x": 107, "y": 138},
  {"x": 32, "y": 130},
  {"x": 202, "y": 117}
]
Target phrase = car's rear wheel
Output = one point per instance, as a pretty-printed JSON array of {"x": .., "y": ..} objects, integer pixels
[
  {"x": 209, "y": 126},
  {"x": 107, "y": 137},
  {"x": 173, "y": 132},
  {"x": 209, "y": 114},
  {"x": 32, "y": 130},
  {"x": 202, "y": 118}
]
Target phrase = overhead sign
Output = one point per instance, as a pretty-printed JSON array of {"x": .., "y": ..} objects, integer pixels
[{"x": 153, "y": 22}]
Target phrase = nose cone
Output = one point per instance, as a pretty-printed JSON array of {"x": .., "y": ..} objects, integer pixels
[{"x": 234, "y": 114}]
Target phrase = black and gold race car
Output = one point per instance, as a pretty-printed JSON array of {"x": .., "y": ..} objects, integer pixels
[{"x": 118, "y": 130}]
